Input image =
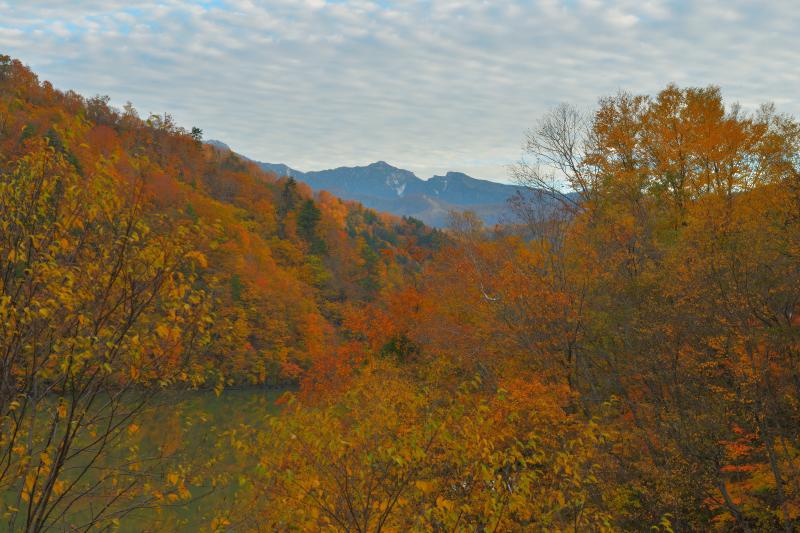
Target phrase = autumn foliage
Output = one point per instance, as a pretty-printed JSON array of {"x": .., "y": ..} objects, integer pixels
[
  {"x": 133, "y": 258},
  {"x": 640, "y": 342},
  {"x": 626, "y": 359}
]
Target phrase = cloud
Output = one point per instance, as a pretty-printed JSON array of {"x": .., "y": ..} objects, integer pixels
[{"x": 431, "y": 86}]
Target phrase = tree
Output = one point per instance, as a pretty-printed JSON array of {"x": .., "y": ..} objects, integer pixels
[
  {"x": 683, "y": 205},
  {"x": 308, "y": 218},
  {"x": 420, "y": 459},
  {"x": 87, "y": 274}
]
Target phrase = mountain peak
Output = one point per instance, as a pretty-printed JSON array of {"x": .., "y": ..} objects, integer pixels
[
  {"x": 382, "y": 186},
  {"x": 458, "y": 175},
  {"x": 218, "y": 144},
  {"x": 386, "y": 168}
]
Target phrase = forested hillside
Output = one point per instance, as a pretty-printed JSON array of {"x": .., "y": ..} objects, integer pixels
[
  {"x": 133, "y": 256},
  {"x": 627, "y": 362}
]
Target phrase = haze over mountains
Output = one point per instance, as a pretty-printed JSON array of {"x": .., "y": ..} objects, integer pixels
[{"x": 384, "y": 187}]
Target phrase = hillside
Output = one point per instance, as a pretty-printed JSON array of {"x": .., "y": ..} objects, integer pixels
[
  {"x": 191, "y": 343},
  {"x": 274, "y": 249},
  {"x": 133, "y": 257}
]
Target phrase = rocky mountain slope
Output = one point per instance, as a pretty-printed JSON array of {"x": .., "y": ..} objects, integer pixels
[{"x": 395, "y": 190}]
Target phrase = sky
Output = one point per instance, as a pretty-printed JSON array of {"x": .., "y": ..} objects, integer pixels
[{"x": 430, "y": 86}]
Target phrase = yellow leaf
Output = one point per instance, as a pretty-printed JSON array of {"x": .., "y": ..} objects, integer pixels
[
  {"x": 199, "y": 257},
  {"x": 219, "y": 523},
  {"x": 442, "y": 503},
  {"x": 424, "y": 486},
  {"x": 162, "y": 331},
  {"x": 30, "y": 481}
]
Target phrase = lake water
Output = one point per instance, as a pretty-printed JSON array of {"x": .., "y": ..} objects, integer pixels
[
  {"x": 190, "y": 429},
  {"x": 187, "y": 433}
]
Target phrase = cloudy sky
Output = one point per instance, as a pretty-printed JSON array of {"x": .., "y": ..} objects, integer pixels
[{"x": 426, "y": 85}]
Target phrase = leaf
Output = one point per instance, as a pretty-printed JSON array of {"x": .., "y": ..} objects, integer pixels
[
  {"x": 443, "y": 503},
  {"x": 199, "y": 257},
  {"x": 424, "y": 486}
]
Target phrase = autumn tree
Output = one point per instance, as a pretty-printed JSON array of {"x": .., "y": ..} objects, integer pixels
[
  {"x": 87, "y": 274},
  {"x": 684, "y": 205},
  {"x": 420, "y": 461}
]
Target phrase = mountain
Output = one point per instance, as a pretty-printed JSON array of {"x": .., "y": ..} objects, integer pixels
[
  {"x": 395, "y": 190},
  {"x": 218, "y": 144}
]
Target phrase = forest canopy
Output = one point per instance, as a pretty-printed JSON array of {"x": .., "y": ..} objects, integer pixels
[{"x": 626, "y": 359}]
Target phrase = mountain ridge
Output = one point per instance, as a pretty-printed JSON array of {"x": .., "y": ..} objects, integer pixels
[{"x": 395, "y": 190}]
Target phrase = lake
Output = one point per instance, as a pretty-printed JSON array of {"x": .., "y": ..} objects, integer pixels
[{"x": 188, "y": 428}]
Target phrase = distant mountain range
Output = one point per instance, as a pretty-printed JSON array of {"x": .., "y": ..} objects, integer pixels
[{"x": 382, "y": 187}]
